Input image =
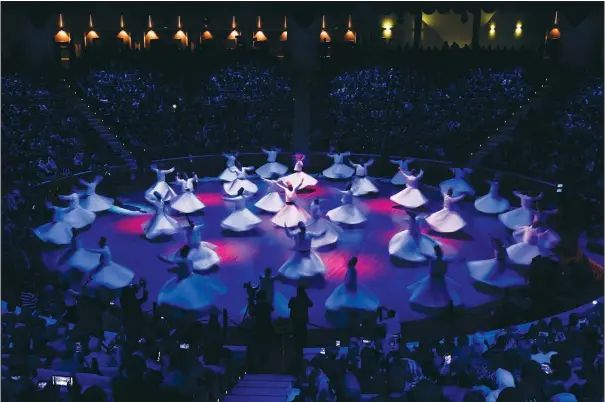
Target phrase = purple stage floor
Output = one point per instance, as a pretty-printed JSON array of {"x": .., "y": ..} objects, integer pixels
[{"x": 245, "y": 257}]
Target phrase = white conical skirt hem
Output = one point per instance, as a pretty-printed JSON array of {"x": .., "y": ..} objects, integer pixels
[
  {"x": 399, "y": 180},
  {"x": 163, "y": 188},
  {"x": 339, "y": 171},
  {"x": 194, "y": 293},
  {"x": 227, "y": 175},
  {"x": 79, "y": 217},
  {"x": 97, "y": 203},
  {"x": 360, "y": 299},
  {"x": 435, "y": 292},
  {"x": 546, "y": 241},
  {"x": 523, "y": 253},
  {"x": 187, "y": 203},
  {"x": 58, "y": 233},
  {"x": 84, "y": 260},
  {"x": 517, "y": 218},
  {"x": 445, "y": 221},
  {"x": 233, "y": 187},
  {"x": 270, "y": 169},
  {"x": 271, "y": 202},
  {"x": 410, "y": 198},
  {"x": 492, "y": 273},
  {"x": 112, "y": 276},
  {"x": 363, "y": 186},
  {"x": 348, "y": 214},
  {"x": 202, "y": 257},
  {"x": 302, "y": 265},
  {"x": 330, "y": 236},
  {"x": 403, "y": 246},
  {"x": 241, "y": 221},
  {"x": 458, "y": 186},
  {"x": 160, "y": 225},
  {"x": 291, "y": 214},
  {"x": 296, "y": 178},
  {"x": 488, "y": 204}
]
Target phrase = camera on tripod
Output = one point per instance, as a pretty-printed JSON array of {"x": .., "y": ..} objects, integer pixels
[{"x": 252, "y": 292}]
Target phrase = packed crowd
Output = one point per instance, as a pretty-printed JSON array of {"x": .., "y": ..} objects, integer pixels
[
  {"x": 420, "y": 112},
  {"x": 42, "y": 136},
  {"x": 239, "y": 107},
  {"x": 551, "y": 362},
  {"x": 566, "y": 149}
]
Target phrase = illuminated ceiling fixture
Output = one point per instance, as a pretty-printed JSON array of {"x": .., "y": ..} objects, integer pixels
[
  {"x": 259, "y": 35},
  {"x": 518, "y": 28},
  {"x": 207, "y": 35},
  {"x": 555, "y": 34},
  {"x": 91, "y": 34},
  {"x": 62, "y": 36},
  {"x": 387, "y": 28},
  {"x": 151, "y": 35},
  {"x": 180, "y": 35},
  {"x": 234, "y": 34},
  {"x": 324, "y": 36},
  {"x": 284, "y": 35},
  {"x": 350, "y": 35},
  {"x": 123, "y": 34},
  {"x": 492, "y": 29}
]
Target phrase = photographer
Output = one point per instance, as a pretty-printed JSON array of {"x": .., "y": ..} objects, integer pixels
[{"x": 263, "y": 328}]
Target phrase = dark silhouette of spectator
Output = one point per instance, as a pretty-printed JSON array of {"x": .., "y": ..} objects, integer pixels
[{"x": 299, "y": 315}]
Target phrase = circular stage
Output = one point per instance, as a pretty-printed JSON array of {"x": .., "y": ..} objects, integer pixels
[{"x": 245, "y": 257}]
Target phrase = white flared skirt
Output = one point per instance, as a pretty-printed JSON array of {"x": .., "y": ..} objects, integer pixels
[
  {"x": 296, "y": 178},
  {"x": 160, "y": 225},
  {"x": 330, "y": 236},
  {"x": 290, "y": 215},
  {"x": 233, "y": 187},
  {"x": 194, "y": 293},
  {"x": 112, "y": 276},
  {"x": 348, "y": 214},
  {"x": 241, "y": 221},
  {"x": 458, "y": 186},
  {"x": 84, "y": 260},
  {"x": 517, "y": 217},
  {"x": 58, "y": 233},
  {"x": 344, "y": 299},
  {"x": 410, "y": 198},
  {"x": 339, "y": 171},
  {"x": 523, "y": 253},
  {"x": 363, "y": 186},
  {"x": 270, "y": 169},
  {"x": 488, "y": 204},
  {"x": 227, "y": 175},
  {"x": 445, "y": 221},
  {"x": 97, "y": 203},
  {"x": 403, "y": 246},
  {"x": 399, "y": 180},
  {"x": 187, "y": 203},
  {"x": 271, "y": 202},
  {"x": 547, "y": 241},
  {"x": 79, "y": 217},
  {"x": 203, "y": 257},
  {"x": 435, "y": 292},
  {"x": 492, "y": 272},
  {"x": 163, "y": 188},
  {"x": 302, "y": 265}
]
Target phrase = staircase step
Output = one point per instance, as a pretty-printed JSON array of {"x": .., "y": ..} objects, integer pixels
[
  {"x": 264, "y": 384},
  {"x": 268, "y": 377},
  {"x": 259, "y": 391},
  {"x": 255, "y": 398}
]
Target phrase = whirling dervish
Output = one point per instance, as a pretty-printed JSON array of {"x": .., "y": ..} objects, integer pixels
[
  {"x": 93, "y": 201},
  {"x": 160, "y": 186},
  {"x": 228, "y": 174},
  {"x": 271, "y": 168},
  {"x": 338, "y": 170},
  {"x": 525, "y": 251},
  {"x": 188, "y": 291},
  {"x": 399, "y": 179},
  {"x": 410, "y": 196},
  {"x": 361, "y": 184},
  {"x": 77, "y": 217},
  {"x": 411, "y": 244},
  {"x": 187, "y": 202},
  {"x": 522, "y": 216},
  {"x": 241, "y": 180},
  {"x": 347, "y": 213},
  {"x": 109, "y": 275},
  {"x": 458, "y": 183},
  {"x": 277, "y": 300},
  {"x": 241, "y": 219},
  {"x": 350, "y": 295},
  {"x": 290, "y": 213},
  {"x": 202, "y": 254},
  {"x": 161, "y": 224},
  {"x": 436, "y": 290},
  {"x": 496, "y": 272},
  {"x": 272, "y": 201},
  {"x": 304, "y": 263},
  {"x": 298, "y": 177},
  {"x": 56, "y": 231},
  {"x": 331, "y": 232},
  {"x": 492, "y": 202},
  {"x": 78, "y": 258},
  {"x": 551, "y": 239},
  {"x": 447, "y": 220}
]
